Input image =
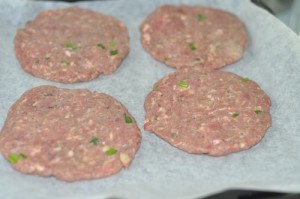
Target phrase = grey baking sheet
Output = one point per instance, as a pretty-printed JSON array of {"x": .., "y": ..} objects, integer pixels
[{"x": 159, "y": 170}]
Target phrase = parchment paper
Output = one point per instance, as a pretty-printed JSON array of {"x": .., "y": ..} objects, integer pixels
[{"x": 160, "y": 170}]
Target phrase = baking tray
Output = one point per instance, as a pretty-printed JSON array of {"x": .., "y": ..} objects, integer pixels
[{"x": 160, "y": 170}]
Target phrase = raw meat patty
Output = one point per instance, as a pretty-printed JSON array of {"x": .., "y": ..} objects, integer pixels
[
  {"x": 194, "y": 37},
  {"x": 71, "y": 45},
  {"x": 69, "y": 134},
  {"x": 215, "y": 113}
]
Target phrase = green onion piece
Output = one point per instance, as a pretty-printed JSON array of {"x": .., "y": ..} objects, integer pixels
[
  {"x": 101, "y": 46},
  {"x": 112, "y": 43},
  {"x": 128, "y": 119},
  {"x": 111, "y": 151},
  {"x": 257, "y": 111},
  {"x": 13, "y": 158},
  {"x": 245, "y": 79},
  {"x": 114, "y": 52},
  {"x": 235, "y": 115},
  {"x": 94, "y": 141},
  {"x": 71, "y": 46},
  {"x": 183, "y": 84},
  {"x": 192, "y": 46},
  {"x": 201, "y": 17},
  {"x": 23, "y": 156},
  {"x": 65, "y": 62},
  {"x": 46, "y": 57}
]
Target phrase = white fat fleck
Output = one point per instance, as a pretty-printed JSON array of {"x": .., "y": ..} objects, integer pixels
[
  {"x": 67, "y": 115},
  {"x": 219, "y": 32},
  {"x": 183, "y": 17},
  {"x": 147, "y": 37},
  {"x": 55, "y": 160},
  {"x": 161, "y": 109},
  {"x": 164, "y": 116},
  {"x": 190, "y": 91},
  {"x": 18, "y": 128},
  {"x": 215, "y": 142},
  {"x": 125, "y": 159},
  {"x": 105, "y": 148},
  {"x": 70, "y": 153},
  {"x": 91, "y": 122},
  {"x": 153, "y": 102},
  {"x": 35, "y": 151},
  {"x": 39, "y": 167},
  {"x": 146, "y": 27},
  {"x": 242, "y": 145},
  {"x": 111, "y": 136},
  {"x": 35, "y": 103},
  {"x": 89, "y": 64},
  {"x": 56, "y": 149},
  {"x": 68, "y": 53},
  {"x": 202, "y": 128},
  {"x": 212, "y": 48},
  {"x": 23, "y": 101}
]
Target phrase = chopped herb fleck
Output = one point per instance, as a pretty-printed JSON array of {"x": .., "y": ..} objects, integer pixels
[
  {"x": 235, "y": 115},
  {"x": 128, "y": 119},
  {"x": 257, "y": 111},
  {"x": 112, "y": 43},
  {"x": 101, "y": 46},
  {"x": 23, "y": 156},
  {"x": 46, "y": 57},
  {"x": 14, "y": 158},
  {"x": 65, "y": 62},
  {"x": 183, "y": 84},
  {"x": 95, "y": 141},
  {"x": 154, "y": 88},
  {"x": 201, "y": 17},
  {"x": 48, "y": 94},
  {"x": 245, "y": 79},
  {"x": 114, "y": 52},
  {"x": 192, "y": 46},
  {"x": 71, "y": 46},
  {"x": 111, "y": 151}
]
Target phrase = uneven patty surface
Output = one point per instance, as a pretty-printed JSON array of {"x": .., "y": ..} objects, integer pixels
[
  {"x": 215, "y": 113},
  {"x": 194, "y": 37},
  {"x": 71, "y": 45},
  {"x": 69, "y": 134}
]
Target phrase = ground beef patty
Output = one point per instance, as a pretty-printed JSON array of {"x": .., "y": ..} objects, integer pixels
[
  {"x": 194, "y": 37},
  {"x": 215, "y": 113},
  {"x": 71, "y": 45},
  {"x": 69, "y": 134}
]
